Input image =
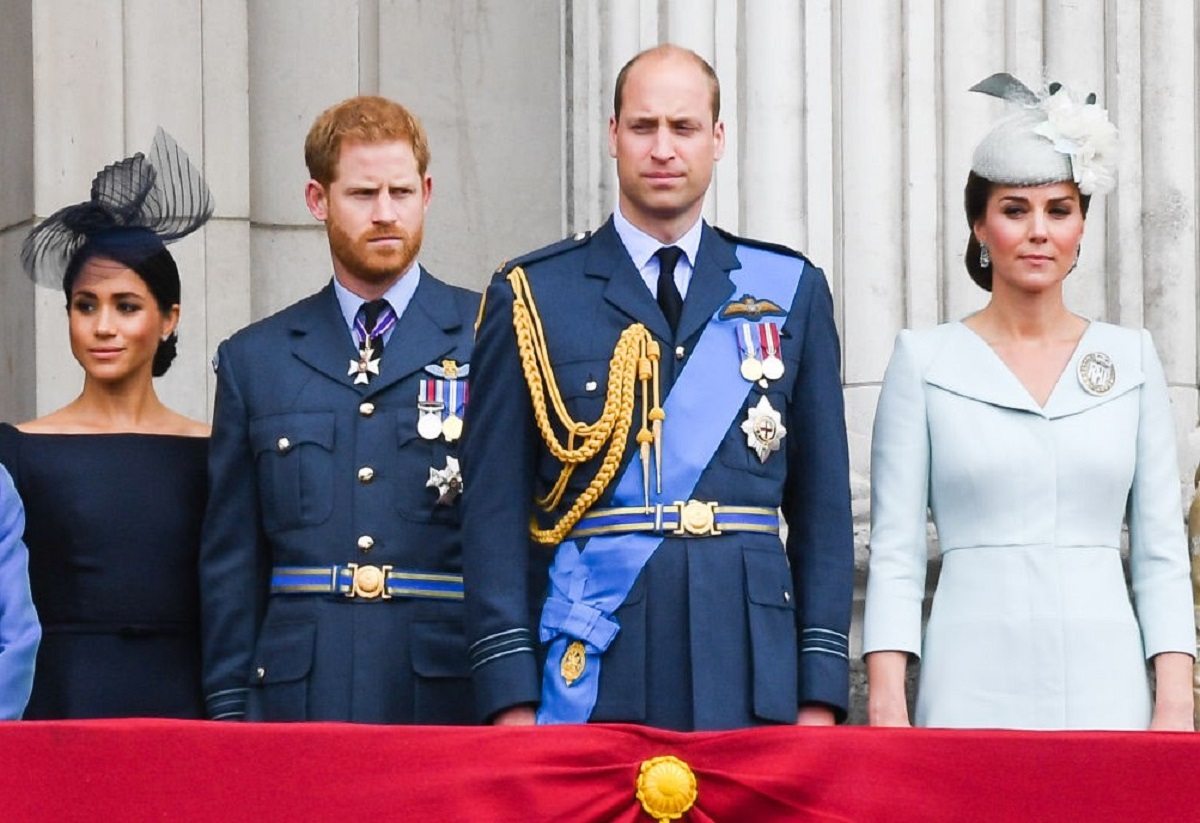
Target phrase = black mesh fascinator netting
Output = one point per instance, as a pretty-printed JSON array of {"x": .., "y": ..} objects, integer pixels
[{"x": 160, "y": 192}]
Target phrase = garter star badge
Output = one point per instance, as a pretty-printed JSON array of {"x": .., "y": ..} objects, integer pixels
[
  {"x": 764, "y": 429},
  {"x": 447, "y": 481},
  {"x": 574, "y": 661},
  {"x": 1097, "y": 373}
]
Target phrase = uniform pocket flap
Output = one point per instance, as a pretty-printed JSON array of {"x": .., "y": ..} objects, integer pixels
[
  {"x": 768, "y": 580},
  {"x": 582, "y": 379},
  {"x": 284, "y": 653},
  {"x": 439, "y": 650},
  {"x": 283, "y": 432}
]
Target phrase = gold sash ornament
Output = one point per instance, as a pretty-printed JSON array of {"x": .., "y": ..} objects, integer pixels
[
  {"x": 574, "y": 661},
  {"x": 634, "y": 363},
  {"x": 666, "y": 787}
]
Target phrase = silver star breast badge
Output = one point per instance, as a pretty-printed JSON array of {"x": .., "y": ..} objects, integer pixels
[
  {"x": 447, "y": 481},
  {"x": 764, "y": 429}
]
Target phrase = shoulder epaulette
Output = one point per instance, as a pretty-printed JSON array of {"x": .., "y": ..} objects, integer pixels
[
  {"x": 759, "y": 244},
  {"x": 545, "y": 252}
]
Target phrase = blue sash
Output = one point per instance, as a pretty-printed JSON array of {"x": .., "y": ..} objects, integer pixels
[{"x": 587, "y": 587}]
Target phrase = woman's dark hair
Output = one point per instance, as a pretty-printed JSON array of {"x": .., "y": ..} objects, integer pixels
[
  {"x": 143, "y": 253},
  {"x": 975, "y": 200}
]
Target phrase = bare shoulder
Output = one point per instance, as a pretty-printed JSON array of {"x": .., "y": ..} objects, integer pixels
[
  {"x": 62, "y": 421},
  {"x": 187, "y": 427}
]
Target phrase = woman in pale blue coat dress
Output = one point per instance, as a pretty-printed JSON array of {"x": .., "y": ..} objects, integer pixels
[{"x": 1030, "y": 433}]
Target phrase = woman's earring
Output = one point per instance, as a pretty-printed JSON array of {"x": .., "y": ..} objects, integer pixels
[
  {"x": 985, "y": 259},
  {"x": 1078, "y": 252}
]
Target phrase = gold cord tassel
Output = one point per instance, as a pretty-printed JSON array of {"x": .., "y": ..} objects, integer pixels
[
  {"x": 657, "y": 416},
  {"x": 644, "y": 436},
  {"x": 631, "y": 361}
]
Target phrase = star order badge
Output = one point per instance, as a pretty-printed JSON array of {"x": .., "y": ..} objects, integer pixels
[
  {"x": 365, "y": 366},
  {"x": 764, "y": 429},
  {"x": 447, "y": 481}
]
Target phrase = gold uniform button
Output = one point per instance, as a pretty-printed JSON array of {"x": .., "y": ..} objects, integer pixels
[
  {"x": 366, "y": 409},
  {"x": 283, "y": 445},
  {"x": 366, "y": 542},
  {"x": 679, "y": 352},
  {"x": 366, "y": 474}
]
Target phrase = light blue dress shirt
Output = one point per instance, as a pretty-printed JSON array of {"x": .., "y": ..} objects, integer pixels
[
  {"x": 642, "y": 247},
  {"x": 398, "y": 297}
]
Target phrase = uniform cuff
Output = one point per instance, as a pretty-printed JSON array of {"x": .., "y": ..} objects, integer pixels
[
  {"x": 505, "y": 670},
  {"x": 227, "y": 704}
]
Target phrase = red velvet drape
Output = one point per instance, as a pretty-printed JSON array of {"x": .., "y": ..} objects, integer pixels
[{"x": 136, "y": 770}]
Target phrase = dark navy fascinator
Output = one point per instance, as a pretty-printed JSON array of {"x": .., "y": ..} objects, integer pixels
[{"x": 145, "y": 200}]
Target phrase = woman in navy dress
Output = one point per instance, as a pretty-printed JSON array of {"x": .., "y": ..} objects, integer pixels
[{"x": 114, "y": 483}]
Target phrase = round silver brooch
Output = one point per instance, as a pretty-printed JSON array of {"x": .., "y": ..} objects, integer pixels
[{"x": 1097, "y": 374}]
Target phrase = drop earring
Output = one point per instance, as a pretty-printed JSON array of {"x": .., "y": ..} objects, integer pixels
[{"x": 985, "y": 259}]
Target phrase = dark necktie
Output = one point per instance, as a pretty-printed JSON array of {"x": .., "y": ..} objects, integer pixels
[
  {"x": 372, "y": 328},
  {"x": 669, "y": 298}
]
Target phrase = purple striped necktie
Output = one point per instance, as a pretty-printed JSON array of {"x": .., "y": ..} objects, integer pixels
[{"x": 373, "y": 321}]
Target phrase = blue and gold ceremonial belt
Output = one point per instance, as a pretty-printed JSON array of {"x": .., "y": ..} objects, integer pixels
[
  {"x": 365, "y": 582},
  {"x": 695, "y": 518}
]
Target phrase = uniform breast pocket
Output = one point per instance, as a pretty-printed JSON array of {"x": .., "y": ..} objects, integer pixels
[
  {"x": 758, "y": 439},
  {"x": 583, "y": 385},
  {"x": 294, "y": 457},
  {"x": 417, "y": 491}
]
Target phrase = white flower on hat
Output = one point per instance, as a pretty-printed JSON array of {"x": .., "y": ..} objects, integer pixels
[
  {"x": 1084, "y": 133},
  {"x": 1051, "y": 138}
]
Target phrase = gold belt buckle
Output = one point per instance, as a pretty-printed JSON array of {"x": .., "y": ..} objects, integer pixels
[
  {"x": 369, "y": 582},
  {"x": 697, "y": 518}
]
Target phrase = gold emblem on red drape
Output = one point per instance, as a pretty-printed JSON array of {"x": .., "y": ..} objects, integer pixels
[{"x": 666, "y": 787}]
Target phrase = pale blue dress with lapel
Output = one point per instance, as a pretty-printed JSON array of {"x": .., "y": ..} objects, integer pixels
[{"x": 1031, "y": 625}]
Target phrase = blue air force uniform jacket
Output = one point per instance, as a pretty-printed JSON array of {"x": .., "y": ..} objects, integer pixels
[
  {"x": 717, "y": 632},
  {"x": 310, "y": 471}
]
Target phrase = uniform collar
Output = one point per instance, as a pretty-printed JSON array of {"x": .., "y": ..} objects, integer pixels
[
  {"x": 399, "y": 295},
  {"x": 641, "y": 246}
]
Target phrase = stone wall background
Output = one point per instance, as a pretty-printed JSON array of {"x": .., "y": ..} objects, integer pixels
[{"x": 849, "y": 125}]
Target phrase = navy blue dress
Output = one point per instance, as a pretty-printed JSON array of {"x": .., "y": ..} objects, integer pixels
[{"x": 113, "y": 529}]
